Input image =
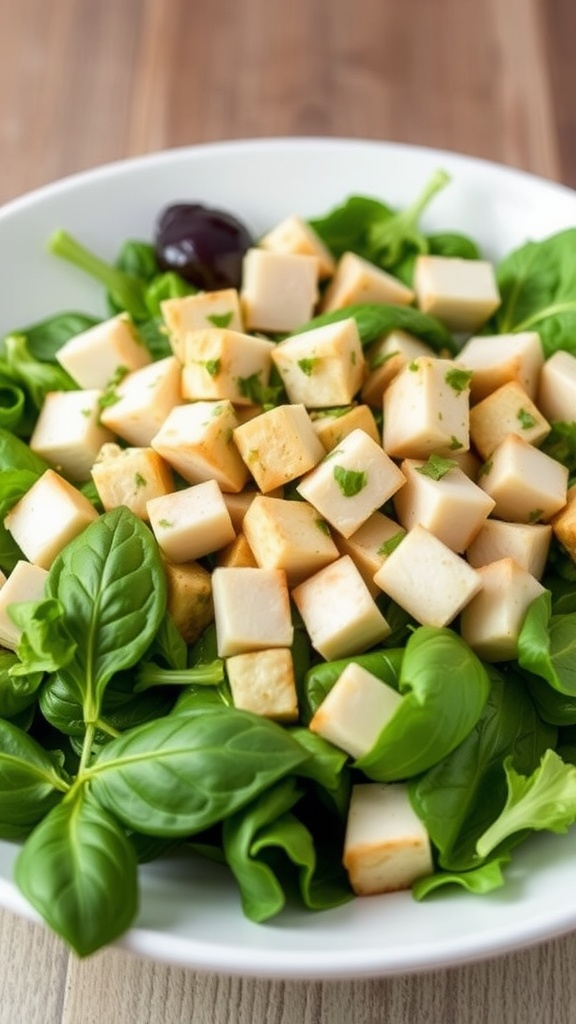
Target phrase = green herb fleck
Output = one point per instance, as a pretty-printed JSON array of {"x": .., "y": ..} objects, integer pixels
[
  {"x": 110, "y": 396},
  {"x": 213, "y": 367},
  {"x": 535, "y": 515},
  {"x": 139, "y": 480},
  {"x": 526, "y": 419},
  {"x": 458, "y": 379},
  {"x": 350, "y": 481},
  {"x": 86, "y": 412},
  {"x": 165, "y": 524},
  {"x": 392, "y": 543},
  {"x": 323, "y": 526},
  {"x": 220, "y": 319},
  {"x": 436, "y": 466},
  {"x": 455, "y": 444},
  {"x": 307, "y": 366},
  {"x": 413, "y": 366},
  {"x": 485, "y": 468}
]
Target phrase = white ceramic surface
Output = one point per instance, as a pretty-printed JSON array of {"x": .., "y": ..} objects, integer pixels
[{"x": 190, "y": 912}]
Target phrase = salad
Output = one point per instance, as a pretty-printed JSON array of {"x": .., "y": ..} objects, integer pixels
[{"x": 136, "y": 717}]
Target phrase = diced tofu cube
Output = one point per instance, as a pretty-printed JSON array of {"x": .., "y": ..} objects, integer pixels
[
  {"x": 104, "y": 353},
  {"x": 386, "y": 846},
  {"x": 557, "y": 387},
  {"x": 498, "y": 358},
  {"x": 427, "y": 578},
  {"x": 527, "y": 544},
  {"x": 263, "y": 682},
  {"x": 131, "y": 477},
  {"x": 141, "y": 402},
  {"x": 296, "y": 236},
  {"x": 322, "y": 367},
  {"x": 332, "y": 425},
  {"x": 338, "y": 611},
  {"x": 192, "y": 522},
  {"x": 452, "y": 507},
  {"x": 492, "y": 620},
  {"x": 68, "y": 433},
  {"x": 252, "y": 610},
  {"x": 197, "y": 441},
  {"x": 352, "y": 481},
  {"x": 26, "y": 582},
  {"x": 527, "y": 485},
  {"x": 357, "y": 280},
  {"x": 278, "y": 446},
  {"x": 355, "y": 711},
  {"x": 48, "y": 517},
  {"x": 462, "y": 293},
  {"x": 238, "y": 505},
  {"x": 279, "y": 290},
  {"x": 220, "y": 363},
  {"x": 426, "y": 409},
  {"x": 370, "y": 545},
  {"x": 385, "y": 358},
  {"x": 189, "y": 598},
  {"x": 508, "y": 410},
  {"x": 204, "y": 309},
  {"x": 237, "y": 553},
  {"x": 564, "y": 524},
  {"x": 288, "y": 535}
]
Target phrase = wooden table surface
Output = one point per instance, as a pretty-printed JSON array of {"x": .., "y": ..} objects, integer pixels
[{"x": 83, "y": 82}]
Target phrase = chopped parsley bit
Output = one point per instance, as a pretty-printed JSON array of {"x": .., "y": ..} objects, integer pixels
[
  {"x": 333, "y": 413},
  {"x": 307, "y": 366},
  {"x": 458, "y": 379},
  {"x": 140, "y": 480},
  {"x": 213, "y": 366},
  {"x": 353, "y": 358},
  {"x": 526, "y": 419},
  {"x": 413, "y": 366},
  {"x": 392, "y": 543},
  {"x": 110, "y": 396},
  {"x": 220, "y": 319},
  {"x": 350, "y": 481},
  {"x": 485, "y": 468},
  {"x": 535, "y": 515},
  {"x": 258, "y": 393},
  {"x": 86, "y": 412},
  {"x": 165, "y": 524},
  {"x": 323, "y": 526},
  {"x": 381, "y": 360},
  {"x": 218, "y": 409},
  {"x": 436, "y": 466},
  {"x": 455, "y": 444}
]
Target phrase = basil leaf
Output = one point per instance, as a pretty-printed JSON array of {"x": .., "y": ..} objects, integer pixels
[
  {"x": 30, "y": 785},
  {"x": 183, "y": 773},
  {"x": 345, "y": 228},
  {"x": 320, "y": 679},
  {"x": 111, "y": 583},
  {"x": 16, "y": 692},
  {"x": 79, "y": 871},
  {"x": 376, "y": 319},
  {"x": 37, "y": 377},
  {"x": 16, "y": 455},
  {"x": 547, "y": 645},
  {"x": 44, "y": 645},
  {"x": 445, "y": 688}
]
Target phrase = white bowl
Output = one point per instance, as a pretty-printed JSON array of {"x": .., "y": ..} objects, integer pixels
[{"x": 190, "y": 911}]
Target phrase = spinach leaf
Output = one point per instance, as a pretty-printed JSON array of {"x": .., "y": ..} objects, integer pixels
[
  {"x": 78, "y": 870},
  {"x": 346, "y": 227},
  {"x": 45, "y": 644},
  {"x": 319, "y": 680},
  {"x": 560, "y": 444},
  {"x": 392, "y": 239},
  {"x": 537, "y": 285},
  {"x": 166, "y": 286},
  {"x": 484, "y": 878},
  {"x": 37, "y": 377},
  {"x": 30, "y": 784},
  {"x": 47, "y": 336},
  {"x": 459, "y": 797},
  {"x": 453, "y": 245},
  {"x": 375, "y": 319},
  {"x": 445, "y": 688},
  {"x": 14, "y": 483},
  {"x": 183, "y": 773},
  {"x": 12, "y": 403},
  {"x": 17, "y": 692},
  {"x": 546, "y": 799},
  {"x": 112, "y": 586},
  {"x": 16, "y": 455},
  {"x": 547, "y": 645},
  {"x": 126, "y": 288}
]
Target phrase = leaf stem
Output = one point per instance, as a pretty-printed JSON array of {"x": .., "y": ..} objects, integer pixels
[
  {"x": 149, "y": 674},
  {"x": 127, "y": 289}
]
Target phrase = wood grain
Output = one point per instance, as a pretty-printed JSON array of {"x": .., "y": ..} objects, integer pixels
[{"x": 84, "y": 82}]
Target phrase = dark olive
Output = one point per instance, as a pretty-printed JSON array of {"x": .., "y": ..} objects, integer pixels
[{"x": 204, "y": 246}]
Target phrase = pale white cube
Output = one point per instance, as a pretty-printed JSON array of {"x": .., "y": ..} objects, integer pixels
[
  {"x": 338, "y": 611},
  {"x": 426, "y": 409},
  {"x": 278, "y": 446},
  {"x": 296, "y": 236},
  {"x": 508, "y": 410},
  {"x": 352, "y": 481},
  {"x": 356, "y": 280},
  {"x": 263, "y": 682},
  {"x": 452, "y": 507},
  {"x": 496, "y": 359},
  {"x": 104, "y": 353},
  {"x": 527, "y": 485},
  {"x": 251, "y": 609},
  {"x": 221, "y": 363},
  {"x": 131, "y": 477},
  {"x": 557, "y": 387},
  {"x": 191, "y": 523},
  {"x": 355, "y": 711},
  {"x": 51, "y": 514},
  {"x": 323, "y": 367},
  {"x": 426, "y": 578},
  {"x": 197, "y": 441},
  {"x": 386, "y": 847},
  {"x": 204, "y": 309},
  {"x": 333, "y": 425},
  {"x": 288, "y": 535},
  {"x": 370, "y": 545},
  {"x": 279, "y": 290},
  {"x": 528, "y": 544},
  {"x": 26, "y": 582},
  {"x": 385, "y": 358},
  {"x": 143, "y": 400},
  {"x": 462, "y": 293},
  {"x": 68, "y": 433},
  {"x": 492, "y": 620}
]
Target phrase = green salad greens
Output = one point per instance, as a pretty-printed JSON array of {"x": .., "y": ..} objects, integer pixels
[{"x": 120, "y": 743}]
